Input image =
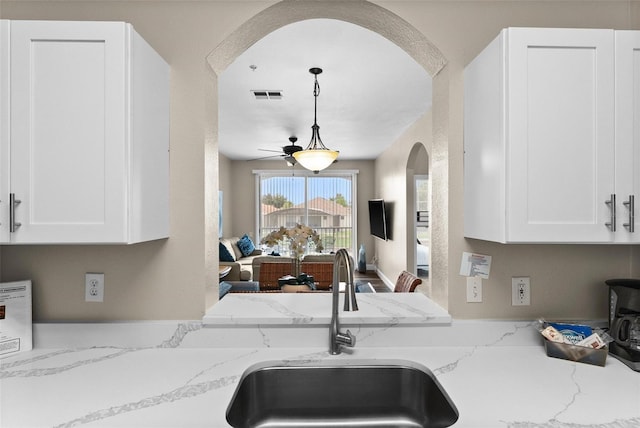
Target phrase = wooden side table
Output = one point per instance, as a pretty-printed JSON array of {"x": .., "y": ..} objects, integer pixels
[{"x": 223, "y": 271}]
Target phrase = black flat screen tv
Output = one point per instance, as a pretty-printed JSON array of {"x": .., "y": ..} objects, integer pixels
[{"x": 378, "y": 221}]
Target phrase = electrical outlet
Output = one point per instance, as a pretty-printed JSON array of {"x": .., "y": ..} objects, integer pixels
[
  {"x": 474, "y": 289},
  {"x": 94, "y": 287},
  {"x": 520, "y": 291}
]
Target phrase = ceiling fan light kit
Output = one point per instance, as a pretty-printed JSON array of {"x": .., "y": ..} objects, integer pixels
[{"x": 316, "y": 156}]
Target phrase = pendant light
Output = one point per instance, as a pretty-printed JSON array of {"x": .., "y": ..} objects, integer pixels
[{"x": 316, "y": 156}]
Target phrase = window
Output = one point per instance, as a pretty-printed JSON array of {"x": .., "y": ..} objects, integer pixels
[{"x": 322, "y": 201}]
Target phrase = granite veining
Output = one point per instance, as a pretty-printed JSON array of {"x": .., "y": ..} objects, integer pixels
[
  {"x": 312, "y": 308},
  {"x": 497, "y": 374}
]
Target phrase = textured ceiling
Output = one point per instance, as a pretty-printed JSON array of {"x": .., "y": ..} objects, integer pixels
[{"x": 370, "y": 91}]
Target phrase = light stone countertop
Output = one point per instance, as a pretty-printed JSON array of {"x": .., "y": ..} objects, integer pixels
[
  {"x": 183, "y": 374},
  {"x": 315, "y": 309}
]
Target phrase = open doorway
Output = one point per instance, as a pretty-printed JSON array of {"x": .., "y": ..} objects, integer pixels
[{"x": 421, "y": 224}]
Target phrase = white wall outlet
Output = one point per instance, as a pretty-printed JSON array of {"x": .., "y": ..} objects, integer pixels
[
  {"x": 94, "y": 287},
  {"x": 520, "y": 291},
  {"x": 474, "y": 289}
]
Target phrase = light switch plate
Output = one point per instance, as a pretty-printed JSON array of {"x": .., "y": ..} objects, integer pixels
[{"x": 474, "y": 289}]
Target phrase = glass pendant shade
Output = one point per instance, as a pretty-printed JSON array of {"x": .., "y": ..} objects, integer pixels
[{"x": 316, "y": 159}]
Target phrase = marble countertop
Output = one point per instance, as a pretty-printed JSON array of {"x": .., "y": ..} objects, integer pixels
[
  {"x": 167, "y": 374},
  {"x": 315, "y": 308}
]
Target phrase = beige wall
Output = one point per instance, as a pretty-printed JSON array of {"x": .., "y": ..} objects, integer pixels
[
  {"x": 392, "y": 182},
  {"x": 567, "y": 280},
  {"x": 242, "y": 198},
  {"x": 157, "y": 280},
  {"x": 167, "y": 279},
  {"x": 230, "y": 195}
]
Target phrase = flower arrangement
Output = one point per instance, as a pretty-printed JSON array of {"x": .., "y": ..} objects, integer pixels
[{"x": 298, "y": 237}]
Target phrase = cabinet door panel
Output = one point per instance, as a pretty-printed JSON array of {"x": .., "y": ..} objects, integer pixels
[
  {"x": 4, "y": 131},
  {"x": 68, "y": 131},
  {"x": 561, "y": 135},
  {"x": 627, "y": 130}
]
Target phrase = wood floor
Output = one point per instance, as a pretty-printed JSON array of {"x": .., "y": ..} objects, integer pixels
[
  {"x": 373, "y": 278},
  {"x": 379, "y": 284}
]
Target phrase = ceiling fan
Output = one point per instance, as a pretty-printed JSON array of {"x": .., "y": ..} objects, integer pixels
[{"x": 286, "y": 152}]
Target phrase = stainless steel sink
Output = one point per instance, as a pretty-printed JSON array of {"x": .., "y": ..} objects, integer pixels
[{"x": 364, "y": 393}]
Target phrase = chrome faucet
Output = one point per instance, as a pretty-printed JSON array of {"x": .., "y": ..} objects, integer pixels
[{"x": 336, "y": 338}]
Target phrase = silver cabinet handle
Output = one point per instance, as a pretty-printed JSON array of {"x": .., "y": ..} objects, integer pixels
[
  {"x": 630, "y": 204},
  {"x": 612, "y": 204},
  {"x": 13, "y": 224}
]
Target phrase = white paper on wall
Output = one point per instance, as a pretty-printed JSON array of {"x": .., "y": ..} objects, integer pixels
[{"x": 475, "y": 265}]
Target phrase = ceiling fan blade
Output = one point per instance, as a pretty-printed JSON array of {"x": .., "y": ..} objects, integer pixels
[
  {"x": 286, "y": 152},
  {"x": 264, "y": 157}
]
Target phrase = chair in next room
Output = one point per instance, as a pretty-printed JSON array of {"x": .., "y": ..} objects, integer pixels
[
  {"x": 406, "y": 283},
  {"x": 322, "y": 273},
  {"x": 270, "y": 272}
]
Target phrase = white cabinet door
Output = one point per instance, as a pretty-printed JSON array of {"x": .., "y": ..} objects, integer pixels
[
  {"x": 4, "y": 131},
  {"x": 68, "y": 131},
  {"x": 87, "y": 140},
  {"x": 561, "y": 134},
  {"x": 539, "y": 137},
  {"x": 627, "y": 134}
]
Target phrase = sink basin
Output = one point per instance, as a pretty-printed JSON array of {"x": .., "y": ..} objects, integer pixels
[{"x": 354, "y": 393}]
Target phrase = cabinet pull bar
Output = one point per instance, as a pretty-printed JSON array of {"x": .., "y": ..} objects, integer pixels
[
  {"x": 630, "y": 204},
  {"x": 13, "y": 224},
  {"x": 612, "y": 204}
]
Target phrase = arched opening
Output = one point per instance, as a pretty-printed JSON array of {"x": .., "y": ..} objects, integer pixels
[
  {"x": 417, "y": 225},
  {"x": 369, "y": 16}
]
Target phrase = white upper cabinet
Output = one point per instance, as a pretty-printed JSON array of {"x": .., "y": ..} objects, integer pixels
[
  {"x": 4, "y": 131},
  {"x": 627, "y": 121},
  {"x": 85, "y": 135},
  {"x": 543, "y": 160}
]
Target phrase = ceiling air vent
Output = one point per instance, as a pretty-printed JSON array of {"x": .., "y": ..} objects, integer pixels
[{"x": 266, "y": 95}]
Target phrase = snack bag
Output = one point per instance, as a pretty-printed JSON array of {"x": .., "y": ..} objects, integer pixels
[{"x": 572, "y": 333}]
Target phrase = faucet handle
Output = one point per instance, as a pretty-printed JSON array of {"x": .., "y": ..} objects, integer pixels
[{"x": 347, "y": 339}]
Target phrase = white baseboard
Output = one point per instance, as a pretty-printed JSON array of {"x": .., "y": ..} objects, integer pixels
[{"x": 390, "y": 284}]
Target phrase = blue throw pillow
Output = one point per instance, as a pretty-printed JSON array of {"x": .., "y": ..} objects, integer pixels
[
  {"x": 225, "y": 287},
  {"x": 225, "y": 256},
  {"x": 246, "y": 246}
]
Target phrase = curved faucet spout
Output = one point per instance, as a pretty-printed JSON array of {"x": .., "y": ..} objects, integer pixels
[{"x": 337, "y": 339}]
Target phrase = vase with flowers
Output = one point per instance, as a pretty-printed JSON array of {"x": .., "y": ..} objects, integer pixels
[{"x": 298, "y": 239}]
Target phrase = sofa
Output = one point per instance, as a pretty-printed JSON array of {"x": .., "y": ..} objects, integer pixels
[{"x": 241, "y": 265}]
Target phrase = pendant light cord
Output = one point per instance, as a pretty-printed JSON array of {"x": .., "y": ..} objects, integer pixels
[{"x": 316, "y": 93}]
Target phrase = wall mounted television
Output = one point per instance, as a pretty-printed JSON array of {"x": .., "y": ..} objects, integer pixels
[{"x": 379, "y": 219}]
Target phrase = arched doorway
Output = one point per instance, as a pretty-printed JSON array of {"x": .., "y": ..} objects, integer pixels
[
  {"x": 418, "y": 208},
  {"x": 369, "y": 16}
]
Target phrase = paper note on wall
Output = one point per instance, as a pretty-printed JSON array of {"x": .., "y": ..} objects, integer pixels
[{"x": 475, "y": 265}]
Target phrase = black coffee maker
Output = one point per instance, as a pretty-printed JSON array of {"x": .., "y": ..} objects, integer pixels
[{"x": 624, "y": 320}]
